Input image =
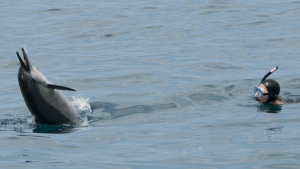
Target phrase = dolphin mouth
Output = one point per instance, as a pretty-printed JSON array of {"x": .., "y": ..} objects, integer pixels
[{"x": 25, "y": 64}]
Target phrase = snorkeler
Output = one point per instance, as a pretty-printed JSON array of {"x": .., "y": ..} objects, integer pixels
[{"x": 268, "y": 90}]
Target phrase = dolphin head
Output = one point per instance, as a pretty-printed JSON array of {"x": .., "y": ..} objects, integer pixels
[
  {"x": 26, "y": 72},
  {"x": 28, "y": 75},
  {"x": 25, "y": 65}
]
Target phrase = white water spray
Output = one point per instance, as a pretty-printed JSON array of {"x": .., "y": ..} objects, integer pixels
[{"x": 83, "y": 108}]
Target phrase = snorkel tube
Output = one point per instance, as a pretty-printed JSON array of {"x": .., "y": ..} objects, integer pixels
[{"x": 269, "y": 73}]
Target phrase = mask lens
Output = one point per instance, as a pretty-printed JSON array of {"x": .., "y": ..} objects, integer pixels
[{"x": 258, "y": 92}]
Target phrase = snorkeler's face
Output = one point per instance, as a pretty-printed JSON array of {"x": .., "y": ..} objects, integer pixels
[{"x": 263, "y": 99}]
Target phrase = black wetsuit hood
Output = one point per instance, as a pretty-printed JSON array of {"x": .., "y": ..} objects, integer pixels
[{"x": 273, "y": 89}]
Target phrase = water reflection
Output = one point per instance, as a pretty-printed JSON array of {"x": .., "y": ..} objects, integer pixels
[
  {"x": 116, "y": 113},
  {"x": 57, "y": 129},
  {"x": 266, "y": 108},
  {"x": 269, "y": 108}
]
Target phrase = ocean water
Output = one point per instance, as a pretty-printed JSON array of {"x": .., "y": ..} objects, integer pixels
[{"x": 159, "y": 84}]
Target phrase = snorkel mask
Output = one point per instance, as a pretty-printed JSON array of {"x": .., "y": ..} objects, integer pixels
[{"x": 271, "y": 85}]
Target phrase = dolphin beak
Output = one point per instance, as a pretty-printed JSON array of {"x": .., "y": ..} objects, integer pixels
[{"x": 24, "y": 64}]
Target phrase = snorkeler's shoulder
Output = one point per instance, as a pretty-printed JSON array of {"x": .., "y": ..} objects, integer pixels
[{"x": 278, "y": 101}]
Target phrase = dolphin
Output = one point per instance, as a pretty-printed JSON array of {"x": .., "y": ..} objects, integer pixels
[{"x": 44, "y": 100}]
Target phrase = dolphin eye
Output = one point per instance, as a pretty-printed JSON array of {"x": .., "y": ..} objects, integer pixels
[{"x": 33, "y": 80}]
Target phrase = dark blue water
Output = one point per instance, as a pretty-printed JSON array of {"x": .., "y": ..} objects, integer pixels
[{"x": 160, "y": 84}]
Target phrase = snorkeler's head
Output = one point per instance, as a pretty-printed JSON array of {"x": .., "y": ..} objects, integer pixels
[
  {"x": 273, "y": 89},
  {"x": 268, "y": 90}
]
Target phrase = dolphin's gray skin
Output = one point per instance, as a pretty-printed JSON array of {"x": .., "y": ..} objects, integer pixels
[{"x": 44, "y": 100}]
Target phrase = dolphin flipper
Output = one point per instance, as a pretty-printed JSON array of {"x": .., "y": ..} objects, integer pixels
[{"x": 53, "y": 86}]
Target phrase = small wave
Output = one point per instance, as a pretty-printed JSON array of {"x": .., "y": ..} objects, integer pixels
[
  {"x": 16, "y": 121},
  {"x": 276, "y": 128},
  {"x": 16, "y": 124},
  {"x": 199, "y": 97}
]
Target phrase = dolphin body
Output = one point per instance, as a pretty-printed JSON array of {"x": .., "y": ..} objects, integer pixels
[{"x": 44, "y": 100}]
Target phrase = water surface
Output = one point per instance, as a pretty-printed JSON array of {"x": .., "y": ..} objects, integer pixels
[{"x": 159, "y": 84}]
